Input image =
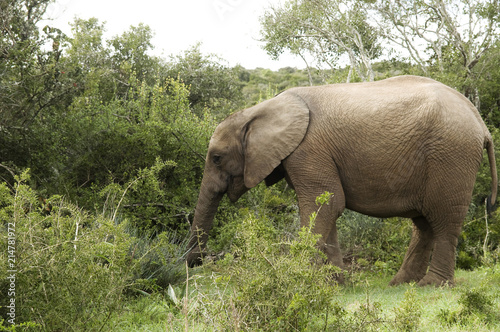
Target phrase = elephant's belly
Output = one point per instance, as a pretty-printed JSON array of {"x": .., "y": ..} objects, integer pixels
[
  {"x": 375, "y": 192},
  {"x": 382, "y": 206},
  {"x": 377, "y": 212}
]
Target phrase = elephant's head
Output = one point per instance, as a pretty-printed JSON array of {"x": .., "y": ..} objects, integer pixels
[{"x": 244, "y": 150}]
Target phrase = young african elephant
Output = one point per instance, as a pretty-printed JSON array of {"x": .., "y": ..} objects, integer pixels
[{"x": 406, "y": 146}]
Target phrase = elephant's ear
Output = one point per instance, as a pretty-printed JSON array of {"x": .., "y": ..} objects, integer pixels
[{"x": 274, "y": 130}]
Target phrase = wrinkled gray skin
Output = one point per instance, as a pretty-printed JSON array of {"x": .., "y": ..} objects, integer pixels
[{"x": 406, "y": 146}]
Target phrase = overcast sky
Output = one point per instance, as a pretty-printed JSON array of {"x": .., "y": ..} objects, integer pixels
[{"x": 228, "y": 28}]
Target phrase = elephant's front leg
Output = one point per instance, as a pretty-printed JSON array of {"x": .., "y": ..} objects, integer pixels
[
  {"x": 325, "y": 222},
  {"x": 312, "y": 175},
  {"x": 325, "y": 225}
]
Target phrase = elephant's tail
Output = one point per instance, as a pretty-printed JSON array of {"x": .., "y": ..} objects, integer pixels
[{"x": 494, "y": 177}]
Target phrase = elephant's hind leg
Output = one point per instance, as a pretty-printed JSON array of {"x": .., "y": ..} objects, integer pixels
[
  {"x": 442, "y": 267},
  {"x": 417, "y": 257},
  {"x": 446, "y": 225}
]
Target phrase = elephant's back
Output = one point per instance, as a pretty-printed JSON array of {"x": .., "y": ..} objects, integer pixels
[{"x": 394, "y": 105}]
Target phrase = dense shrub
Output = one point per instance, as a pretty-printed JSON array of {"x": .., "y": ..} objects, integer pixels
[
  {"x": 212, "y": 84},
  {"x": 71, "y": 267},
  {"x": 480, "y": 237},
  {"x": 408, "y": 313},
  {"x": 475, "y": 306},
  {"x": 276, "y": 204},
  {"x": 279, "y": 282},
  {"x": 107, "y": 145},
  {"x": 381, "y": 243}
]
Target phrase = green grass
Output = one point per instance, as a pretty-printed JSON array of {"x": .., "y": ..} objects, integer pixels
[
  {"x": 159, "y": 313},
  {"x": 431, "y": 300}
]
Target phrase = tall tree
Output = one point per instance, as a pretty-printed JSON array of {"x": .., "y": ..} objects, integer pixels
[
  {"x": 28, "y": 75},
  {"x": 130, "y": 53},
  {"x": 446, "y": 39},
  {"x": 212, "y": 84},
  {"x": 443, "y": 36},
  {"x": 329, "y": 31},
  {"x": 29, "y": 78}
]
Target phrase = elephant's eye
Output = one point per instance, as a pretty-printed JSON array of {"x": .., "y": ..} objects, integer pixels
[{"x": 216, "y": 159}]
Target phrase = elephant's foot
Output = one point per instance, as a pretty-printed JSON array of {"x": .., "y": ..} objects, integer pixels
[
  {"x": 405, "y": 277},
  {"x": 334, "y": 258},
  {"x": 195, "y": 257},
  {"x": 338, "y": 275},
  {"x": 339, "y": 278},
  {"x": 434, "y": 279}
]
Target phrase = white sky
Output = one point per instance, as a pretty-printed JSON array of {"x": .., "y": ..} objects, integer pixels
[{"x": 228, "y": 28}]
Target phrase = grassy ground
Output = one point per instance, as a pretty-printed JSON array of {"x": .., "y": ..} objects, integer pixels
[
  {"x": 437, "y": 303},
  {"x": 366, "y": 304}
]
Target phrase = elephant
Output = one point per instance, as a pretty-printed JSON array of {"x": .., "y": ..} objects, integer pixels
[{"x": 406, "y": 146}]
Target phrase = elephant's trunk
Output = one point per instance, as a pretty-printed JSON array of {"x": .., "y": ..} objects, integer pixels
[{"x": 208, "y": 202}]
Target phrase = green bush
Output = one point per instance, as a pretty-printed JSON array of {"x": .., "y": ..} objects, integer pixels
[
  {"x": 109, "y": 145},
  {"x": 274, "y": 203},
  {"x": 408, "y": 313},
  {"x": 383, "y": 242},
  {"x": 279, "y": 283},
  {"x": 162, "y": 261},
  {"x": 475, "y": 305},
  {"x": 72, "y": 268}
]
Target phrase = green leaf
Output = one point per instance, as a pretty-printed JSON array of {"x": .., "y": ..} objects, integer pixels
[{"x": 171, "y": 294}]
